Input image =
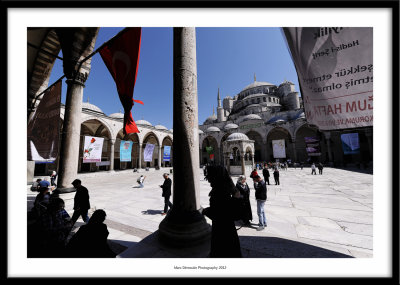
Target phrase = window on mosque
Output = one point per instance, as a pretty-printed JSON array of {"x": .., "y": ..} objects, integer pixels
[
  {"x": 258, "y": 100},
  {"x": 265, "y": 99},
  {"x": 269, "y": 99}
]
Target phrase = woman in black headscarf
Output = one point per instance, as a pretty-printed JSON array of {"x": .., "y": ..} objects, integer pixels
[
  {"x": 224, "y": 238},
  {"x": 246, "y": 214}
]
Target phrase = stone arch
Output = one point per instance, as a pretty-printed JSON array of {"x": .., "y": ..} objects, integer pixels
[
  {"x": 278, "y": 133},
  {"x": 167, "y": 141},
  {"x": 306, "y": 131},
  {"x": 210, "y": 141},
  {"x": 150, "y": 138},
  {"x": 92, "y": 126},
  {"x": 259, "y": 148}
]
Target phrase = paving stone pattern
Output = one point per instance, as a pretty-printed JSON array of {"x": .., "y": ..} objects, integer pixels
[{"x": 327, "y": 215}]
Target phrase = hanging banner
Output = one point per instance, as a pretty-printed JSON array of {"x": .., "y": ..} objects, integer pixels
[
  {"x": 148, "y": 152},
  {"x": 209, "y": 149},
  {"x": 350, "y": 143},
  {"x": 167, "y": 153},
  {"x": 125, "y": 151},
  {"x": 335, "y": 70},
  {"x": 278, "y": 148},
  {"x": 92, "y": 149},
  {"x": 313, "y": 147},
  {"x": 212, "y": 156},
  {"x": 43, "y": 128}
]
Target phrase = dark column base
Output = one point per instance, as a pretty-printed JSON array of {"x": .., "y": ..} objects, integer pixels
[
  {"x": 184, "y": 229},
  {"x": 64, "y": 190}
]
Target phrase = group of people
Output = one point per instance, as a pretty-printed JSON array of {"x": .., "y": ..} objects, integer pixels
[
  {"x": 51, "y": 226},
  {"x": 230, "y": 203},
  {"x": 319, "y": 166},
  {"x": 266, "y": 174}
]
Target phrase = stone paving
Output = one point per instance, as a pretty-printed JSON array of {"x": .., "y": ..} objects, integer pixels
[{"x": 327, "y": 215}]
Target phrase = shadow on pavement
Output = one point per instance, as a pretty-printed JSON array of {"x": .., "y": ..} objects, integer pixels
[
  {"x": 252, "y": 247},
  {"x": 152, "y": 212}
]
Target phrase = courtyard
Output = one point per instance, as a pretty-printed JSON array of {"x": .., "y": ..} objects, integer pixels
[{"x": 328, "y": 215}]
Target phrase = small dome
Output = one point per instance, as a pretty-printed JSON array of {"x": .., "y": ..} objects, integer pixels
[
  {"x": 171, "y": 130},
  {"x": 160, "y": 127},
  {"x": 117, "y": 115},
  {"x": 143, "y": 122},
  {"x": 91, "y": 107},
  {"x": 251, "y": 117},
  {"x": 200, "y": 132},
  {"x": 210, "y": 119},
  {"x": 237, "y": 137},
  {"x": 230, "y": 127},
  {"x": 213, "y": 129}
]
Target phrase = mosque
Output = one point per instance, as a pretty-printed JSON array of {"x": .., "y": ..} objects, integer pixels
[{"x": 262, "y": 113}]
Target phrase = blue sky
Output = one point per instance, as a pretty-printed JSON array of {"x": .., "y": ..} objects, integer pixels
[{"x": 227, "y": 58}]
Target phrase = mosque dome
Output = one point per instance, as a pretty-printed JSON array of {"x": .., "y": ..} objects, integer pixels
[
  {"x": 171, "y": 130},
  {"x": 251, "y": 117},
  {"x": 211, "y": 119},
  {"x": 213, "y": 129},
  {"x": 257, "y": 84},
  {"x": 160, "y": 127},
  {"x": 91, "y": 107},
  {"x": 230, "y": 127},
  {"x": 143, "y": 122},
  {"x": 117, "y": 115},
  {"x": 237, "y": 137},
  {"x": 200, "y": 132}
]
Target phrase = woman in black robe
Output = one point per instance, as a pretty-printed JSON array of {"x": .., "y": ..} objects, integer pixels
[
  {"x": 224, "y": 238},
  {"x": 246, "y": 214}
]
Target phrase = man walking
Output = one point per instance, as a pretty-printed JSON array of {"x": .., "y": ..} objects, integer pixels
[
  {"x": 276, "y": 176},
  {"x": 261, "y": 197},
  {"x": 81, "y": 202},
  {"x": 266, "y": 174},
  {"x": 166, "y": 193}
]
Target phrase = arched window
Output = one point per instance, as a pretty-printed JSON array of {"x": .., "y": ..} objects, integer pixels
[{"x": 264, "y": 99}]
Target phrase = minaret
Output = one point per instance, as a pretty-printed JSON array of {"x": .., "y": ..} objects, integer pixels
[
  {"x": 255, "y": 77},
  {"x": 220, "y": 110}
]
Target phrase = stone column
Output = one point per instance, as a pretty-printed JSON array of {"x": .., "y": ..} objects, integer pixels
[
  {"x": 112, "y": 142},
  {"x": 159, "y": 156},
  {"x": 69, "y": 154},
  {"x": 294, "y": 150},
  {"x": 328, "y": 145},
  {"x": 243, "y": 163},
  {"x": 184, "y": 225},
  {"x": 252, "y": 160},
  {"x": 76, "y": 44},
  {"x": 140, "y": 156}
]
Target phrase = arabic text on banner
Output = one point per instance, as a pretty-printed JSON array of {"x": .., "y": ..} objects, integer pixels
[
  {"x": 335, "y": 70},
  {"x": 92, "y": 149}
]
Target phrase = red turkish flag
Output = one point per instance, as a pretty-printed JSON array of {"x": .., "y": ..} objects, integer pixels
[{"x": 121, "y": 56}]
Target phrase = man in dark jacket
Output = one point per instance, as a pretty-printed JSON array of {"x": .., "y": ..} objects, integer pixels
[
  {"x": 81, "y": 202},
  {"x": 266, "y": 174},
  {"x": 166, "y": 193},
  {"x": 261, "y": 197}
]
